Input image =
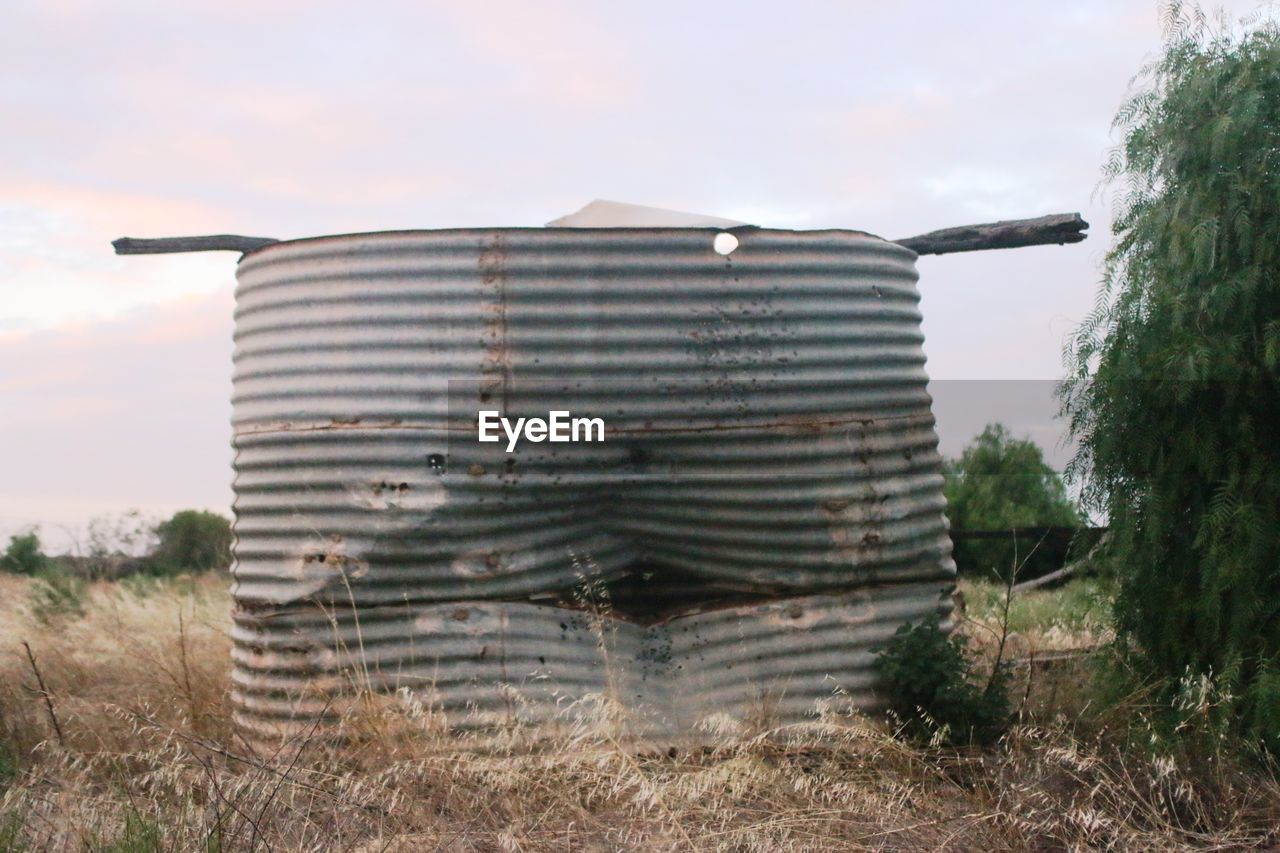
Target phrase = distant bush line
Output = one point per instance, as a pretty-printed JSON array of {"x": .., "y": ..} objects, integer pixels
[{"x": 188, "y": 541}]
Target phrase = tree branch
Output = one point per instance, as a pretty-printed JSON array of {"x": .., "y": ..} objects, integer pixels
[
  {"x": 1056, "y": 228},
  {"x": 44, "y": 691},
  {"x": 209, "y": 243}
]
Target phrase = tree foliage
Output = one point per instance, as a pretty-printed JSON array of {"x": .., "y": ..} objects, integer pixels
[
  {"x": 1174, "y": 386},
  {"x": 115, "y": 542},
  {"x": 1000, "y": 483},
  {"x": 24, "y": 555},
  {"x": 192, "y": 540}
]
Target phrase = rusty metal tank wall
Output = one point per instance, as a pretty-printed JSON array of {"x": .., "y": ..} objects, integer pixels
[{"x": 769, "y": 436}]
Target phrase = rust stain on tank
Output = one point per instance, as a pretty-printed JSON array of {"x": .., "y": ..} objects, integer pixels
[{"x": 497, "y": 367}]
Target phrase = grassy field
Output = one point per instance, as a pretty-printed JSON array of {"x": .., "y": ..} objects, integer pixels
[{"x": 128, "y": 746}]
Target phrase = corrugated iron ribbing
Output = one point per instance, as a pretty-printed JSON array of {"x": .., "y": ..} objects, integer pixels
[
  {"x": 768, "y": 431},
  {"x": 487, "y": 663}
]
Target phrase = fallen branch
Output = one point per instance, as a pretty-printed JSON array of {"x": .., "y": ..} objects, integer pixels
[
  {"x": 1066, "y": 572},
  {"x": 208, "y": 243},
  {"x": 1060, "y": 576},
  {"x": 1057, "y": 228}
]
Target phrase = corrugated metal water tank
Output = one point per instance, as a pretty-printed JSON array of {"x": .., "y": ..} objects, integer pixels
[{"x": 766, "y": 506}]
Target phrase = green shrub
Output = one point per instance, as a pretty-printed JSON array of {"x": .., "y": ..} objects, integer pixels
[
  {"x": 140, "y": 835},
  {"x": 1175, "y": 385},
  {"x": 56, "y": 594},
  {"x": 192, "y": 541},
  {"x": 23, "y": 556},
  {"x": 11, "y": 826},
  {"x": 933, "y": 689},
  {"x": 8, "y": 767}
]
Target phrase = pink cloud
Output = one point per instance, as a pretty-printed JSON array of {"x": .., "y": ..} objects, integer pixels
[
  {"x": 128, "y": 413},
  {"x": 100, "y": 211}
]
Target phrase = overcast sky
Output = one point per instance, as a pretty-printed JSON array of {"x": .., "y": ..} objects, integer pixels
[{"x": 287, "y": 119}]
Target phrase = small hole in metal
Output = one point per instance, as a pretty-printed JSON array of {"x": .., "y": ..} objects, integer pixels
[{"x": 724, "y": 243}]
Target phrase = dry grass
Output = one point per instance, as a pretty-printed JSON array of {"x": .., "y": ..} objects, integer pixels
[
  {"x": 1043, "y": 621},
  {"x": 148, "y": 760}
]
